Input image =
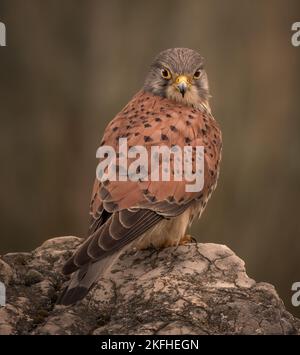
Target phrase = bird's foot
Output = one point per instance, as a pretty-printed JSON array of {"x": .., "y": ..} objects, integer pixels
[
  {"x": 187, "y": 239},
  {"x": 153, "y": 249}
]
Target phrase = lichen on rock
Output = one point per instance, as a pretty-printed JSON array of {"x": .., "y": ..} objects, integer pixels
[{"x": 192, "y": 289}]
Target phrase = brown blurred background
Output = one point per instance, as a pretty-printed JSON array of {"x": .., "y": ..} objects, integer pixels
[{"x": 70, "y": 66}]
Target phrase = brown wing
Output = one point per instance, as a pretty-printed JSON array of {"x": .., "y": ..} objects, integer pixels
[{"x": 123, "y": 210}]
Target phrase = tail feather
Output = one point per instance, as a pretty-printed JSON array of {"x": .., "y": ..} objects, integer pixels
[
  {"x": 71, "y": 296},
  {"x": 83, "y": 280}
]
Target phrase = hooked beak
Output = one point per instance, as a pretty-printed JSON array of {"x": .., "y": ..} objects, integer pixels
[{"x": 182, "y": 84}]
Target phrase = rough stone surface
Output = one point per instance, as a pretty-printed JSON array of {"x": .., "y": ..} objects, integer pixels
[{"x": 192, "y": 289}]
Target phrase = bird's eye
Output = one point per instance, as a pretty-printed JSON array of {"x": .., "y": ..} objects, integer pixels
[
  {"x": 197, "y": 74},
  {"x": 165, "y": 73}
]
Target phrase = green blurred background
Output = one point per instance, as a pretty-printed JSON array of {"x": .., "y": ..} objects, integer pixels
[{"x": 70, "y": 66}]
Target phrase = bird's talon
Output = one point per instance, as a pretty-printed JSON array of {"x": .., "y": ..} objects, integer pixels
[
  {"x": 186, "y": 239},
  {"x": 194, "y": 240}
]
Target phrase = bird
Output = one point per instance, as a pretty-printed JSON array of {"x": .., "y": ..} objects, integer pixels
[{"x": 172, "y": 108}]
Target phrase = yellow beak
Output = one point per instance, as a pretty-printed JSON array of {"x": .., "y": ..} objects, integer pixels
[{"x": 182, "y": 84}]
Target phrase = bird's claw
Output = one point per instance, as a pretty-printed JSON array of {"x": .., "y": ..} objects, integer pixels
[{"x": 187, "y": 239}]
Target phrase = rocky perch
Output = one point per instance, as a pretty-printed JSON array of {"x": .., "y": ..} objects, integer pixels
[{"x": 192, "y": 289}]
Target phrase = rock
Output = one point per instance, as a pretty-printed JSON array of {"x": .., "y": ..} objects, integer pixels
[
  {"x": 32, "y": 277},
  {"x": 6, "y": 272},
  {"x": 191, "y": 289}
]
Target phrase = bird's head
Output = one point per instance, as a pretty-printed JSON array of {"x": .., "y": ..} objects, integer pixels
[{"x": 178, "y": 74}]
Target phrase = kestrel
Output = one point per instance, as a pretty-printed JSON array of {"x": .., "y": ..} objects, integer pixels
[{"x": 171, "y": 109}]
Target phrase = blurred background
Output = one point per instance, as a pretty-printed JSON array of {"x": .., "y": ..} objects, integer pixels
[{"x": 69, "y": 67}]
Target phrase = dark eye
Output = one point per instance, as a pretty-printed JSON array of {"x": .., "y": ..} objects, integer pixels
[
  {"x": 165, "y": 73},
  {"x": 197, "y": 74}
]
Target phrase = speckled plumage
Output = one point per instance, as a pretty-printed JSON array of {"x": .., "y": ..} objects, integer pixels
[{"x": 143, "y": 213}]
